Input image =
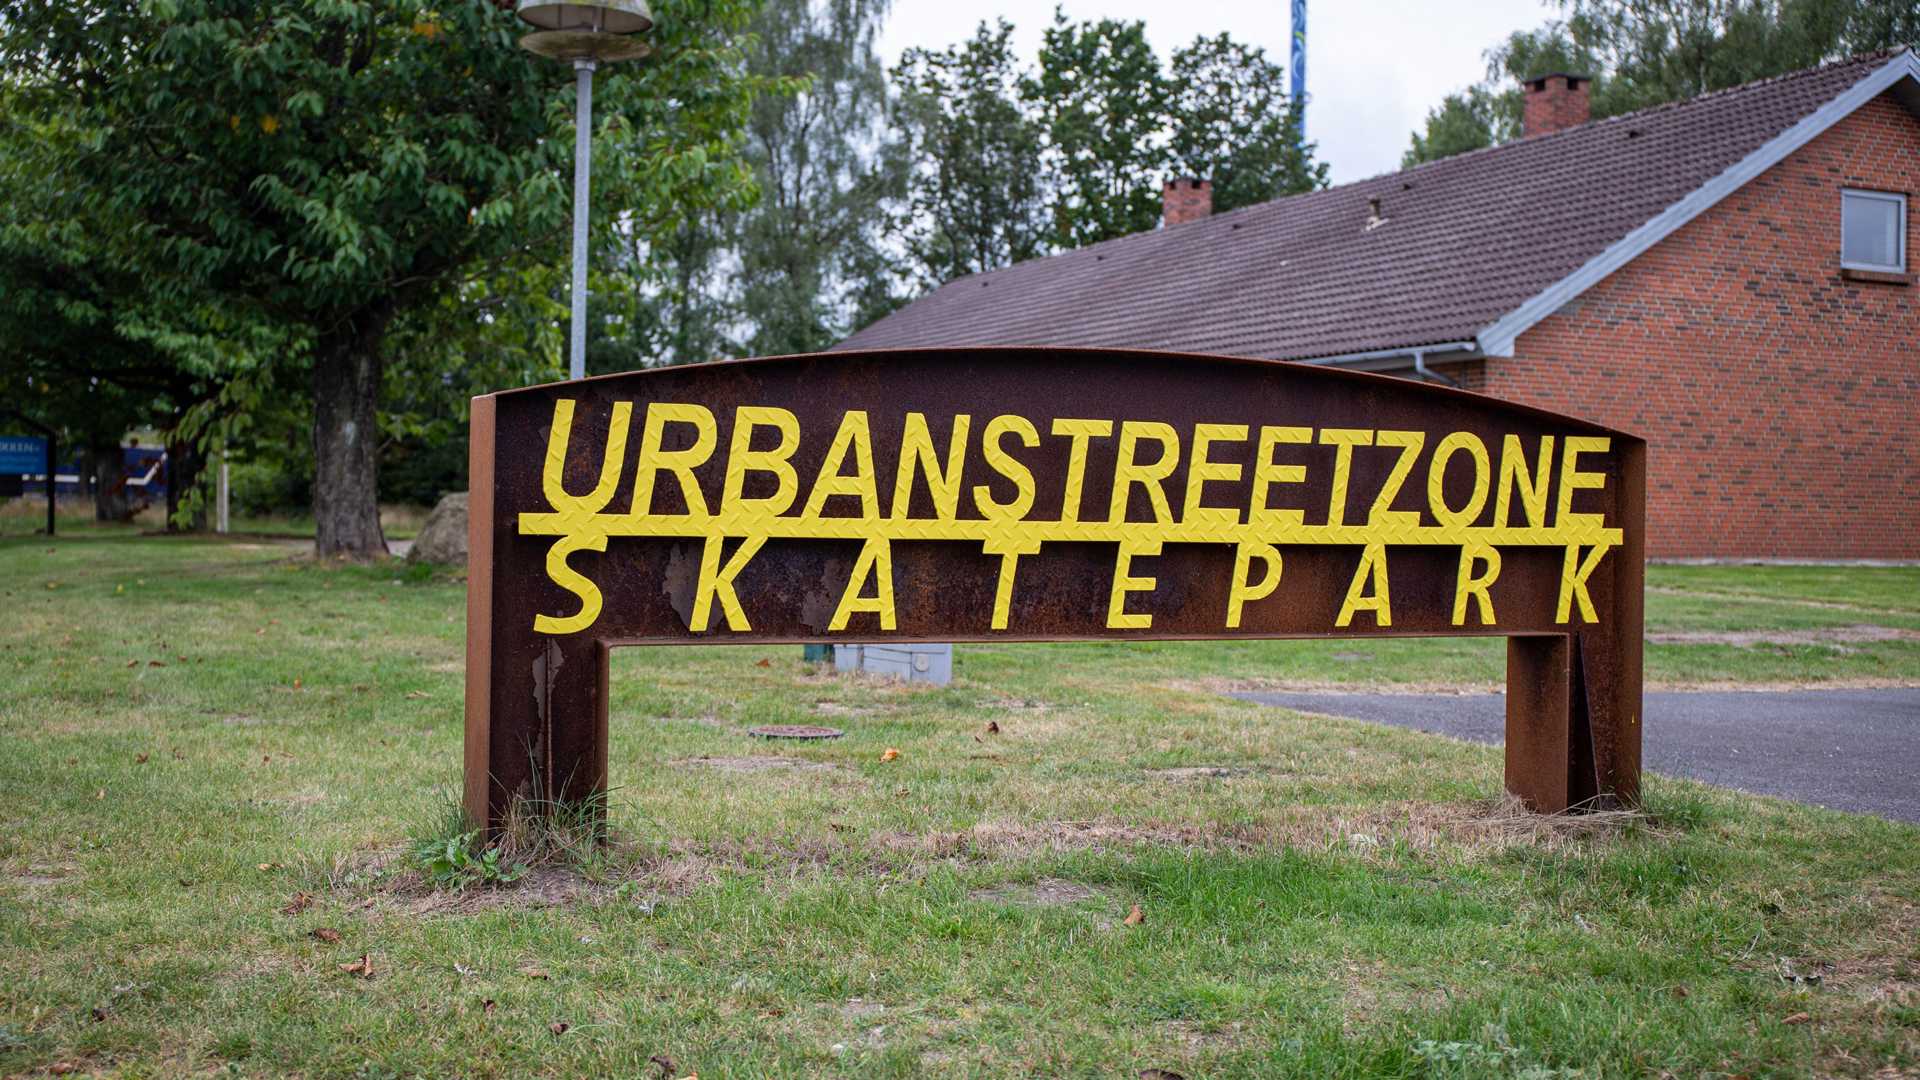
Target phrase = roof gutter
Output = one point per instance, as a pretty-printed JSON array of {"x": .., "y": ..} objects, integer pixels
[{"x": 1393, "y": 359}]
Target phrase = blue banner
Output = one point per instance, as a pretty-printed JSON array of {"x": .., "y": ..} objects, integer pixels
[{"x": 22, "y": 455}]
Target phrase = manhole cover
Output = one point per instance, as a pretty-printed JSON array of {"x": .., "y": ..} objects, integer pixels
[{"x": 795, "y": 731}]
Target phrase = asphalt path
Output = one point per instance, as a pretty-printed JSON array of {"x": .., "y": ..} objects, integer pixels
[{"x": 1853, "y": 750}]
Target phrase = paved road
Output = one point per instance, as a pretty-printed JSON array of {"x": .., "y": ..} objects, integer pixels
[{"x": 1848, "y": 749}]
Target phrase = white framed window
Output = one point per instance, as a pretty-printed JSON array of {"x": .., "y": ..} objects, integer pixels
[{"x": 1873, "y": 231}]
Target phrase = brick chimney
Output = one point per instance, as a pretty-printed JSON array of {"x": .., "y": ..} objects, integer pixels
[
  {"x": 1185, "y": 199},
  {"x": 1555, "y": 102}
]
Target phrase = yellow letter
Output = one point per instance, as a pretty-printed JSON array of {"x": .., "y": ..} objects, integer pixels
[
  {"x": 1373, "y": 562},
  {"x": 1571, "y": 479},
  {"x": 1079, "y": 431},
  {"x": 1380, "y": 517},
  {"x": 853, "y": 433},
  {"x": 1200, "y": 470},
  {"x": 1265, "y": 472},
  {"x": 1343, "y": 440},
  {"x": 1437, "y": 475},
  {"x": 716, "y": 581},
  {"x": 1237, "y": 597},
  {"x": 741, "y": 460},
  {"x": 680, "y": 463},
  {"x": 1573, "y": 583},
  {"x": 567, "y": 578},
  {"x": 1126, "y": 473},
  {"x": 876, "y": 558},
  {"x": 1004, "y": 464},
  {"x": 1467, "y": 584},
  {"x": 580, "y": 506},
  {"x": 1117, "y": 617},
  {"x": 916, "y": 449},
  {"x": 1532, "y": 487}
]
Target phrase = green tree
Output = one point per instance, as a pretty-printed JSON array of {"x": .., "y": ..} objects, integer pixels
[
  {"x": 1102, "y": 97},
  {"x": 337, "y": 167},
  {"x": 978, "y": 195},
  {"x": 1648, "y": 52},
  {"x": 1231, "y": 123},
  {"x": 825, "y": 167}
]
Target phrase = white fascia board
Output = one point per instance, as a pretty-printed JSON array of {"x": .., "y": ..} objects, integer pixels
[{"x": 1498, "y": 339}]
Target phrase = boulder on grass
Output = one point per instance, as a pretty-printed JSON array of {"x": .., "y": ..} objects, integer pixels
[{"x": 443, "y": 539}]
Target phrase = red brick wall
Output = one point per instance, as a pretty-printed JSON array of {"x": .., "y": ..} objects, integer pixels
[{"x": 1780, "y": 402}]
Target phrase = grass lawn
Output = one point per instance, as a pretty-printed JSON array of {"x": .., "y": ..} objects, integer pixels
[{"x": 215, "y": 756}]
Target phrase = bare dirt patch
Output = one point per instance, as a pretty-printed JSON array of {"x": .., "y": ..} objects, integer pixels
[
  {"x": 1824, "y": 635},
  {"x": 1047, "y": 892},
  {"x": 1465, "y": 829},
  {"x": 1219, "y": 685},
  {"x": 757, "y": 763},
  {"x": 1201, "y": 772}
]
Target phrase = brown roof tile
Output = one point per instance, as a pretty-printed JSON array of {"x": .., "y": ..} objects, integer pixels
[{"x": 1466, "y": 240}]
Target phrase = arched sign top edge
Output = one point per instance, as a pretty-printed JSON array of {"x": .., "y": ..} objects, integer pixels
[{"x": 1292, "y": 369}]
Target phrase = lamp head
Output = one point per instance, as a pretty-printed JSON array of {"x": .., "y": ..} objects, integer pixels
[{"x": 605, "y": 30}]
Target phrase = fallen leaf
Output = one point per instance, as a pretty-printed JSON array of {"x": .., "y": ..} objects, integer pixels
[
  {"x": 99, "y": 1013},
  {"x": 488, "y": 1005},
  {"x": 301, "y": 901},
  {"x": 101, "y": 794},
  {"x": 418, "y": 694},
  {"x": 133, "y": 663},
  {"x": 362, "y": 967},
  {"x": 296, "y": 683},
  {"x": 1797, "y": 1018},
  {"x": 141, "y": 759},
  {"x": 268, "y": 867},
  {"x": 559, "y": 1027},
  {"x": 1680, "y": 991},
  {"x": 1135, "y": 917},
  {"x": 663, "y": 1063},
  {"x": 462, "y": 970},
  {"x": 62, "y": 1068},
  {"x": 156, "y": 663},
  {"x": 325, "y": 933},
  {"x": 763, "y": 662},
  {"x": 535, "y": 973},
  {"x": 890, "y": 754},
  {"x": 1160, "y": 1074},
  {"x": 993, "y": 727}
]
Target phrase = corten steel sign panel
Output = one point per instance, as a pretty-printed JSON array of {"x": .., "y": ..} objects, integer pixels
[{"x": 1042, "y": 495}]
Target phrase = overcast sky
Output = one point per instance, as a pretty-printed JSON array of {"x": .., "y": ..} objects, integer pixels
[{"x": 1374, "y": 67}]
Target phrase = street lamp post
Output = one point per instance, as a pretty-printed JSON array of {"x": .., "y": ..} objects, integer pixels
[{"x": 587, "y": 35}]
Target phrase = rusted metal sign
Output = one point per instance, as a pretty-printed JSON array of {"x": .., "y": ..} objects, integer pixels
[{"x": 1042, "y": 495}]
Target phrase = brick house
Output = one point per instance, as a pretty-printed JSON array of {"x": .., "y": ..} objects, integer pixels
[{"x": 1728, "y": 277}]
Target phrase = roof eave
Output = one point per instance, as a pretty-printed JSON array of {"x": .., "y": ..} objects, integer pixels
[{"x": 1498, "y": 338}]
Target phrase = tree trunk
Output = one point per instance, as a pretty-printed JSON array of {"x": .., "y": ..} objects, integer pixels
[
  {"x": 346, "y": 439},
  {"x": 109, "y": 481},
  {"x": 184, "y": 466}
]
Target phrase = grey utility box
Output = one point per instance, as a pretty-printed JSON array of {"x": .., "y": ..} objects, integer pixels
[{"x": 912, "y": 662}]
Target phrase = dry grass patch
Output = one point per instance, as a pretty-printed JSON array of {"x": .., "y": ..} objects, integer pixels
[
  {"x": 1046, "y": 892},
  {"x": 756, "y": 763}
]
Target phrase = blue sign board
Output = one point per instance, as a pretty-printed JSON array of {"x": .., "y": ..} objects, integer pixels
[{"x": 22, "y": 455}]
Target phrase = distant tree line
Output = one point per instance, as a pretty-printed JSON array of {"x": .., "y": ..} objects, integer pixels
[{"x": 1647, "y": 52}]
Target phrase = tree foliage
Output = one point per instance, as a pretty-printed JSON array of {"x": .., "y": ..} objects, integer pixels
[
  {"x": 1101, "y": 95},
  {"x": 1647, "y": 52},
  {"x": 978, "y": 195},
  {"x": 1231, "y": 123},
  {"x": 336, "y": 166},
  {"x": 826, "y": 167}
]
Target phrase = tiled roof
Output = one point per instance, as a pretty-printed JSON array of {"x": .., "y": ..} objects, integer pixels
[{"x": 1464, "y": 241}]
